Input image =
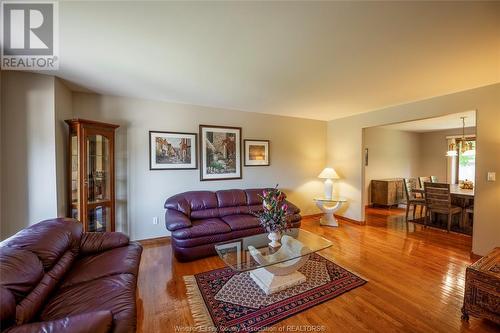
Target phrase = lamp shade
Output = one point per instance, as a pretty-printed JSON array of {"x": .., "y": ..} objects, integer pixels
[{"x": 328, "y": 173}]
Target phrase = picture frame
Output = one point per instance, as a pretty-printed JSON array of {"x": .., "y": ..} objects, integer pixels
[
  {"x": 220, "y": 152},
  {"x": 173, "y": 150},
  {"x": 257, "y": 152}
]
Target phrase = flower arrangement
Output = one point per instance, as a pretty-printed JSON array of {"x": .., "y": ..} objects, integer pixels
[{"x": 273, "y": 217}]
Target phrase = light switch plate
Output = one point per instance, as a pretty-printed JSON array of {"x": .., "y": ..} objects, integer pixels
[{"x": 492, "y": 176}]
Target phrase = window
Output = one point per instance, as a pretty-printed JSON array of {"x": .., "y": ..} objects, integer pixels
[{"x": 466, "y": 166}]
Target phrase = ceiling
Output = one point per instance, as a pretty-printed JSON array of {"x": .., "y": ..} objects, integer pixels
[
  {"x": 318, "y": 60},
  {"x": 436, "y": 124}
]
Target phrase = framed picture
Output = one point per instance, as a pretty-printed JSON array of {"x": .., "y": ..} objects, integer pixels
[
  {"x": 172, "y": 150},
  {"x": 256, "y": 152},
  {"x": 220, "y": 152}
]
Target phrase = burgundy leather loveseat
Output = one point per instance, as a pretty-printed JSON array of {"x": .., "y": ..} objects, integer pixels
[
  {"x": 56, "y": 278},
  {"x": 200, "y": 219}
]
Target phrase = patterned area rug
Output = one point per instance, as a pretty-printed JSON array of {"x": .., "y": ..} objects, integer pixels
[{"x": 224, "y": 300}]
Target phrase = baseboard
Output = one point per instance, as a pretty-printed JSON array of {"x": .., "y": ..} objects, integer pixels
[
  {"x": 312, "y": 216},
  {"x": 343, "y": 218},
  {"x": 155, "y": 241},
  {"x": 340, "y": 217},
  {"x": 396, "y": 206},
  {"x": 474, "y": 256}
]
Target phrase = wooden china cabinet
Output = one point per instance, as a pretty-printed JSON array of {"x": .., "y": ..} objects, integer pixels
[{"x": 91, "y": 174}]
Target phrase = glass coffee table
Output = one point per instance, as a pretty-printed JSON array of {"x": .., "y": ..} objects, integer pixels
[{"x": 273, "y": 269}]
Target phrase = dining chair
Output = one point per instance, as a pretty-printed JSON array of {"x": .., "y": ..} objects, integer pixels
[
  {"x": 434, "y": 179},
  {"x": 422, "y": 180},
  {"x": 469, "y": 211},
  {"x": 411, "y": 199},
  {"x": 438, "y": 200}
]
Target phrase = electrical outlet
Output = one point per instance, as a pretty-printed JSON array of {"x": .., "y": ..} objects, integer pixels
[
  {"x": 155, "y": 220},
  {"x": 492, "y": 176}
]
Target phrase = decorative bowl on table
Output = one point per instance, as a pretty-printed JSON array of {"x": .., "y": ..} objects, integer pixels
[{"x": 467, "y": 185}]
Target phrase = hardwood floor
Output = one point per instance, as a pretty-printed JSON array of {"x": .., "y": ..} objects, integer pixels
[{"x": 416, "y": 280}]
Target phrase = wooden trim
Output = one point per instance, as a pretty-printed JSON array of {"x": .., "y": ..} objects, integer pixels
[
  {"x": 474, "y": 256},
  {"x": 343, "y": 218},
  {"x": 311, "y": 216},
  {"x": 155, "y": 241},
  {"x": 90, "y": 122},
  {"x": 349, "y": 220}
]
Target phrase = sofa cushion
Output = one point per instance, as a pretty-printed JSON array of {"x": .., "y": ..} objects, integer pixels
[
  {"x": 95, "y": 322},
  {"x": 95, "y": 242},
  {"x": 212, "y": 239},
  {"x": 113, "y": 293},
  {"x": 233, "y": 210},
  {"x": 29, "y": 306},
  {"x": 48, "y": 239},
  {"x": 253, "y": 209},
  {"x": 231, "y": 198},
  {"x": 7, "y": 307},
  {"x": 205, "y": 214},
  {"x": 202, "y": 228},
  {"x": 201, "y": 200},
  {"x": 253, "y": 196},
  {"x": 20, "y": 271},
  {"x": 119, "y": 260},
  {"x": 241, "y": 222}
]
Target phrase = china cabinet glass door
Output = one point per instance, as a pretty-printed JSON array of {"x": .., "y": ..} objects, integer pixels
[
  {"x": 97, "y": 182},
  {"x": 91, "y": 165}
]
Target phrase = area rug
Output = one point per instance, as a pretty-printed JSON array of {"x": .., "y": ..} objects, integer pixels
[{"x": 224, "y": 300}]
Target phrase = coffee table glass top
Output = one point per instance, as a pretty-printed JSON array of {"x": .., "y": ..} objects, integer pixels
[{"x": 236, "y": 254}]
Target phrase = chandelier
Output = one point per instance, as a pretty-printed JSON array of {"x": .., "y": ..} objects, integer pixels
[{"x": 466, "y": 147}]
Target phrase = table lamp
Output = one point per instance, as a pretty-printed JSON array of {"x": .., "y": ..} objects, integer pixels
[{"x": 328, "y": 174}]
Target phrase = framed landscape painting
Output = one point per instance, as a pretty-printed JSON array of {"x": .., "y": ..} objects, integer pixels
[
  {"x": 220, "y": 152},
  {"x": 256, "y": 152},
  {"x": 172, "y": 151}
]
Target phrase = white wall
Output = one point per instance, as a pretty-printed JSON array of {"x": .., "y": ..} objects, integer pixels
[
  {"x": 297, "y": 155},
  {"x": 1, "y": 157},
  {"x": 344, "y": 152},
  {"x": 433, "y": 146},
  {"x": 404, "y": 154},
  {"x": 63, "y": 111},
  {"x": 28, "y": 150},
  {"x": 392, "y": 154}
]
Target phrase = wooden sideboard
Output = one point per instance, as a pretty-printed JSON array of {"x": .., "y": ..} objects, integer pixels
[
  {"x": 482, "y": 288},
  {"x": 387, "y": 192}
]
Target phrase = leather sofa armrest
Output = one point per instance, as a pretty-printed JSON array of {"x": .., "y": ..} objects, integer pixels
[
  {"x": 7, "y": 308},
  {"x": 292, "y": 209},
  {"x": 93, "y": 242},
  {"x": 95, "y": 322},
  {"x": 176, "y": 220}
]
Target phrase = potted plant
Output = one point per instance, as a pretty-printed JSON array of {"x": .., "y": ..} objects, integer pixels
[{"x": 273, "y": 217}]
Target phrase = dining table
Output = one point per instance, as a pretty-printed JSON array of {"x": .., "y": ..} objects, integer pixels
[
  {"x": 455, "y": 191},
  {"x": 463, "y": 196}
]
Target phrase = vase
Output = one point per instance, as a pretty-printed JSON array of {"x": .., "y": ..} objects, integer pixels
[{"x": 275, "y": 237}]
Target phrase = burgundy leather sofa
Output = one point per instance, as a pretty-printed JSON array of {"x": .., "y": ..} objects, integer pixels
[
  {"x": 56, "y": 278},
  {"x": 200, "y": 219}
]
